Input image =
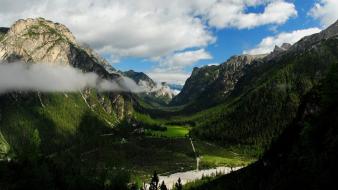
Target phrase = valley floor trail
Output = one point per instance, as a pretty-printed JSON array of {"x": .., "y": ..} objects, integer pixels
[{"x": 196, "y": 155}]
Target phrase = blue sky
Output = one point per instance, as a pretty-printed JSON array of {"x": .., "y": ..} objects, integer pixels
[{"x": 166, "y": 39}]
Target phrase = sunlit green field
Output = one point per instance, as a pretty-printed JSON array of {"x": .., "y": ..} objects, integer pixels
[
  {"x": 212, "y": 155},
  {"x": 171, "y": 132}
]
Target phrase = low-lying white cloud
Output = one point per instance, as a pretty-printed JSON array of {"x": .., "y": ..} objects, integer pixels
[
  {"x": 57, "y": 78},
  {"x": 267, "y": 44},
  {"x": 326, "y": 11}
]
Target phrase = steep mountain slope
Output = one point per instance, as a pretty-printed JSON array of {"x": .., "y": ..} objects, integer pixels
[
  {"x": 213, "y": 83},
  {"x": 48, "y": 122},
  {"x": 38, "y": 41},
  {"x": 304, "y": 156}
]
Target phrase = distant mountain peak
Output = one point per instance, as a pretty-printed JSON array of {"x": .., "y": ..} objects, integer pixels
[
  {"x": 40, "y": 27},
  {"x": 157, "y": 90},
  {"x": 283, "y": 47}
]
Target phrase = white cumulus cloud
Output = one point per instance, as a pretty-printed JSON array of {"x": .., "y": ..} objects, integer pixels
[
  {"x": 180, "y": 60},
  {"x": 267, "y": 44},
  {"x": 171, "y": 68},
  {"x": 276, "y": 12},
  {"x": 326, "y": 11}
]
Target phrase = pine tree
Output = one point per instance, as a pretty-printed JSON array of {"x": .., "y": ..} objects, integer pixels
[
  {"x": 163, "y": 186},
  {"x": 154, "y": 182},
  {"x": 178, "y": 184}
]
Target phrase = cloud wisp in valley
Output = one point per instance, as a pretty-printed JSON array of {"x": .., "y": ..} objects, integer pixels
[{"x": 57, "y": 78}]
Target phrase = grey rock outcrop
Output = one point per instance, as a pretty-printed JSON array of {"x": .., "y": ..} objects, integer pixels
[{"x": 42, "y": 41}]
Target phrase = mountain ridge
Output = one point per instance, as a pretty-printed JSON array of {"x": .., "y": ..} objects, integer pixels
[{"x": 214, "y": 82}]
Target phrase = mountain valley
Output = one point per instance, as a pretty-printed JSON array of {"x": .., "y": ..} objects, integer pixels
[{"x": 272, "y": 115}]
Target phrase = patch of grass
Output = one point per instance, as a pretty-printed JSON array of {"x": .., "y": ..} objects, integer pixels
[
  {"x": 4, "y": 146},
  {"x": 142, "y": 155},
  {"x": 232, "y": 161},
  {"x": 213, "y": 155},
  {"x": 170, "y": 132}
]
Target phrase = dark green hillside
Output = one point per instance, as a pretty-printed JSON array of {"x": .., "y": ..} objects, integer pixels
[
  {"x": 47, "y": 122},
  {"x": 304, "y": 156},
  {"x": 266, "y": 99}
]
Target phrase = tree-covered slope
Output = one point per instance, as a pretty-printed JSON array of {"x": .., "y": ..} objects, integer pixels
[
  {"x": 267, "y": 99},
  {"x": 304, "y": 156},
  {"x": 49, "y": 122}
]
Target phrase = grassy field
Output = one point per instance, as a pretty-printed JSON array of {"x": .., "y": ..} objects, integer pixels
[
  {"x": 213, "y": 155},
  {"x": 170, "y": 132},
  {"x": 141, "y": 155}
]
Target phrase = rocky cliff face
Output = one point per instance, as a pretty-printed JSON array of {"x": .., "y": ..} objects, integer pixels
[
  {"x": 37, "y": 40},
  {"x": 196, "y": 84},
  {"x": 214, "y": 81},
  {"x": 42, "y": 41}
]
